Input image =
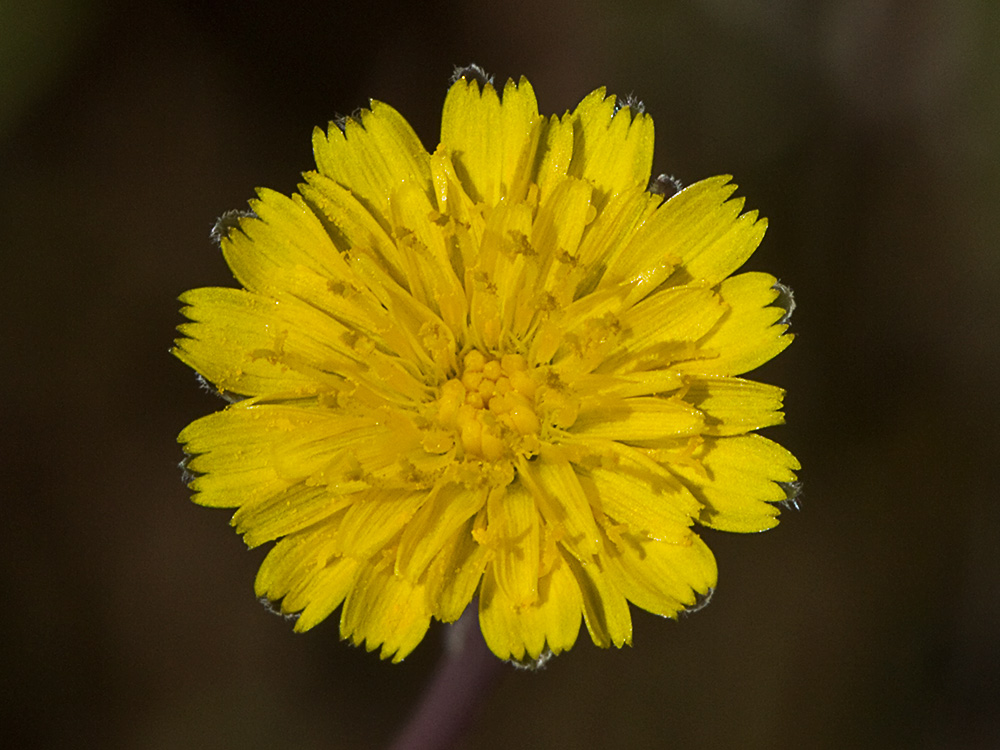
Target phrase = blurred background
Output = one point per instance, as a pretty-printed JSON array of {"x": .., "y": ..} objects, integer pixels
[{"x": 868, "y": 131}]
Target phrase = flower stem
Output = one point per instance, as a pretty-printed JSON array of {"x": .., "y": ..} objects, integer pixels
[{"x": 460, "y": 684}]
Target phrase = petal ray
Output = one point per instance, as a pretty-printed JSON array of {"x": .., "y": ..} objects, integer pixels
[
  {"x": 523, "y": 632},
  {"x": 738, "y": 482}
]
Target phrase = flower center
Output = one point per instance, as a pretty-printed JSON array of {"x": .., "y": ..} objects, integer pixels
[{"x": 491, "y": 407}]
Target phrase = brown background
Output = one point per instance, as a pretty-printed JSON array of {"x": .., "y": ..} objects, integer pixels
[{"x": 868, "y": 131}]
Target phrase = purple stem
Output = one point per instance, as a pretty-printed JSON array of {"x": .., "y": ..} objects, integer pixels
[{"x": 461, "y": 683}]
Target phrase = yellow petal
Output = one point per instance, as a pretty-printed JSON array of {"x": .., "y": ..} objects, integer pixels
[
  {"x": 673, "y": 315},
  {"x": 340, "y": 448},
  {"x": 737, "y": 485},
  {"x": 375, "y": 316},
  {"x": 590, "y": 320},
  {"x": 426, "y": 263},
  {"x": 454, "y": 575},
  {"x": 605, "y": 608},
  {"x": 613, "y": 150},
  {"x": 556, "y": 489},
  {"x": 296, "y": 344},
  {"x": 325, "y": 591},
  {"x": 296, "y": 443},
  {"x": 244, "y": 344},
  {"x": 661, "y": 577},
  {"x": 623, "y": 385},
  {"x": 452, "y": 199},
  {"x": 700, "y": 229},
  {"x": 507, "y": 259},
  {"x": 383, "y": 609},
  {"x": 617, "y": 221},
  {"x": 434, "y": 527},
  {"x": 492, "y": 144},
  {"x": 521, "y": 128},
  {"x": 287, "y": 512},
  {"x": 556, "y": 146},
  {"x": 350, "y": 222},
  {"x": 374, "y": 518},
  {"x": 658, "y": 507},
  {"x": 748, "y": 335},
  {"x": 231, "y": 455},
  {"x": 556, "y": 235},
  {"x": 276, "y": 446},
  {"x": 283, "y": 233},
  {"x": 733, "y": 406},
  {"x": 372, "y": 155},
  {"x": 523, "y": 632},
  {"x": 663, "y": 328},
  {"x": 288, "y": 571},
  {"x": 640, "y": 418},
  {"x": 513, "y": 535},
  {"x": 401, "y": 325}
]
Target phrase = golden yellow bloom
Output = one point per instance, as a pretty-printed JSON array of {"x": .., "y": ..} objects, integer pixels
[{"x": 504, "y": 369}]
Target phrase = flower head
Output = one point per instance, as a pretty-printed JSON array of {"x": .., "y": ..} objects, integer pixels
[{"x": 505, "y": 368}]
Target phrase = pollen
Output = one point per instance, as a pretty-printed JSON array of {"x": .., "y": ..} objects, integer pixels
[{"x": 490, "y": 406}]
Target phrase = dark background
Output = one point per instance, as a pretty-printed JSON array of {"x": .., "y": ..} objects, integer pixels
[{"x": 868, "y": 131}]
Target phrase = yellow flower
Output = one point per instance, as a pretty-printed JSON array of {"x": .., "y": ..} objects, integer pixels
[{"x": 504, "y": 369}]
